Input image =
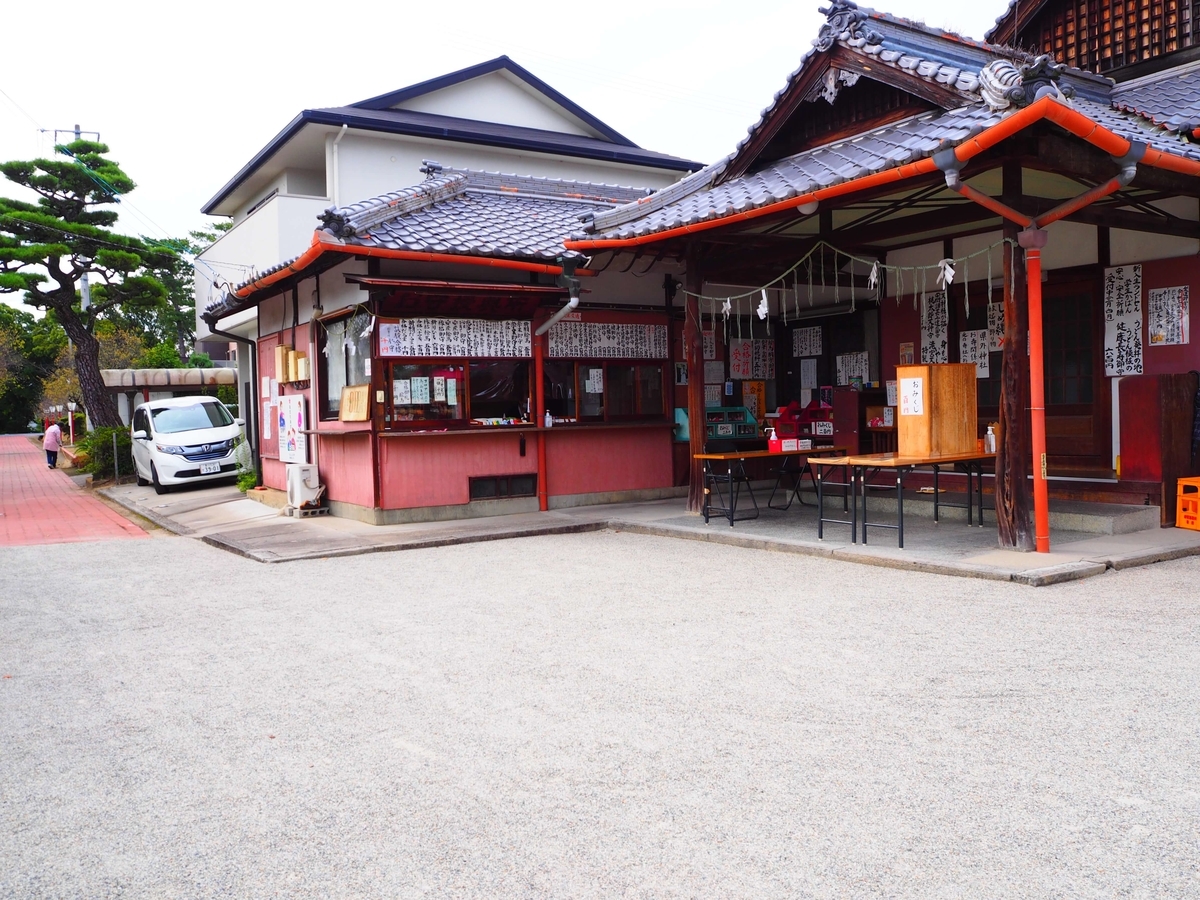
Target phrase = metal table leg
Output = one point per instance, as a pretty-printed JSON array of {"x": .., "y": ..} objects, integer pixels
[
  {"x": 820, "y": 503},
  {"x": 936, "y": 495},
  {"x": 900, "y": 506},
  {"x": 708, "y": 484},
  {"x": 732, "y": 494}
]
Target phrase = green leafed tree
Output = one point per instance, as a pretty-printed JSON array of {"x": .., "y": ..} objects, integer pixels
[
  {"x": 47, "y": 247},
  {"x": 29, "y": 348}
]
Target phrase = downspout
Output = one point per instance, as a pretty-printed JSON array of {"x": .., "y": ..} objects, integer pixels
[
  {"x": 1033, "y": 240},
  {"x": 252, "y": 418},
  {"x": 568, "y": 280},
  {"x": 337, "y": 178}
]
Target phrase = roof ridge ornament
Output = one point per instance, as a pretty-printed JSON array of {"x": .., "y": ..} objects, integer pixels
[
  {"x": 844, "y": 21},
  {"x": 1003, "y": 84}
]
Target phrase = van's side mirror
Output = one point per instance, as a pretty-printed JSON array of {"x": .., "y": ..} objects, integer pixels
[
  {"x": 240, "y": 423},
  {"x": 140, "y": 435}
]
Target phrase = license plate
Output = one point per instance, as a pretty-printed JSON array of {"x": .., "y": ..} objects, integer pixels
[{"x": 209, "y": 468}]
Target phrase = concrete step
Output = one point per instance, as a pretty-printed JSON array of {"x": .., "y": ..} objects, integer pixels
[{"x": 1065, "y": 515}]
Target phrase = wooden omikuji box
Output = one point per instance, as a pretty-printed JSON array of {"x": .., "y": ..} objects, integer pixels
[{"x": 936, "y": 413}]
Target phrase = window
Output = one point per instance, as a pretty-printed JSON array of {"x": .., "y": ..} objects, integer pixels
[
  {"x": 345, "y": 359},
  {"x": 1067, "y": 341},
  {"x": 591, "y": 391},
  {"x": 425, "y": 392},
  {"x": 559, "y": 384},
  {"x": 605, "y": 391},
  {"x": 499, "y": 390},
  {"x": 172, "y": 419}
]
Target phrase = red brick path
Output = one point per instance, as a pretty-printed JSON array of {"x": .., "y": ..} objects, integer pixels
[{"x": 38, "y": 506}]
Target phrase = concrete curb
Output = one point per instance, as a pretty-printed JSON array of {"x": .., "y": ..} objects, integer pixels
[
  {"x": 162, "y": 522},
  {"x": 1033, "y": 577},
  {"x": 230, "y": 544}
]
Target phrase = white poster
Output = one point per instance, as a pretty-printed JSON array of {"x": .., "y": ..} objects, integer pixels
[
  {"x": 452, "y": 391},
  {"x": 266, "y": 421},
  {"x": 401, "y": 392},
  {"x": 712, "y": 395},
  {"x": 1169, "y": 311},
  {"x": 751, "y": 359},
  {"x": 439, "y": 388},
  {"x": 594, "y": 384},
  {"x": 600, "y": 340},
  {"x": 266, "y": 388},
  {"x": 1123, "y": 320},
  {"x": 293, "y": 442},
  {"x": 934, "y": 319},
  {"x": 420, "y": 390},
  {"x": 454, "y": 337},
  {"x": 912, "y": 396},
  {"x": 891, "y": 393},
  {"x": 710, "y": 345},
  {"x": 805, "y": 397},
  {"x": 714, "y": 372},
  {"x": 995, "y": 326},
  {"x": 764, "y": 358},
  {"x": 806, "y": 341},
  {"x": 973, "y": 348},
  {"x": 808, "y": 374},
  {"x": 853, "y": 365},
  {"x": 273, "y": 393}
]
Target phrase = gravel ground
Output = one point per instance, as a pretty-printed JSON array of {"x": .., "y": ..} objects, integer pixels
[{"x": 594, "y": 715}]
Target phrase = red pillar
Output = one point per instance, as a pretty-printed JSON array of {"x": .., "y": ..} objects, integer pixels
[
  {"x": 1033, "y": 240},
  {"x": 539, "y": 412}
]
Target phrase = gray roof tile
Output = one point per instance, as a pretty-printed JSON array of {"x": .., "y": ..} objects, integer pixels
[{"x": 1151, "y": 111}]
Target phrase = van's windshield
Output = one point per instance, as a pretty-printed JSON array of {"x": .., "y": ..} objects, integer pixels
[{"x": 170, "y": 419}]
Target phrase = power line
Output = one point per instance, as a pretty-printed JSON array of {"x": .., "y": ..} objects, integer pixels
[{"x": 21, "y": 110}]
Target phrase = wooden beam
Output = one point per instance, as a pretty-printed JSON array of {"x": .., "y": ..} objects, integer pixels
[
  {"x": 868, "y": 67},
  {"x": 1074, "y": 158},
  {"x": 1105, "y": 215}
]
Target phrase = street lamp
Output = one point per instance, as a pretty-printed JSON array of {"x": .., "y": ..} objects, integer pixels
[{"x": 71, "y": 404}]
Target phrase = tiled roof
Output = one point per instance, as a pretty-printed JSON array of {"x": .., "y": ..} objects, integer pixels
[
  {"x": 931, "y": 54},
  {"x": 1170, "y": 99},
  {"x": 477, "y": 214},
  {"x": 463, "y": 212}
]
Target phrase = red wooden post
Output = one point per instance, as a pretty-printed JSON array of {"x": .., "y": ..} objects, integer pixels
[
  {"x": 693, "y": 351},
  {"x": 1033, "y": 240},
  {"x": 539, "y": 394}
]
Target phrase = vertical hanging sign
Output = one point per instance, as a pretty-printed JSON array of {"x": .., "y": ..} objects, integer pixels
[
  {"x": 934, "y": 319},
  {"x": 1123, "y": 320},
  {"x": 973, "y": 348},
  {"x": 806, "y": 341},
  {"x": 741, "y": 358},
  {"x": 995, "y": 327}
]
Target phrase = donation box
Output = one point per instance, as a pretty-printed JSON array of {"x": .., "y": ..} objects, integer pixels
[{"x": 936, "y": 412}]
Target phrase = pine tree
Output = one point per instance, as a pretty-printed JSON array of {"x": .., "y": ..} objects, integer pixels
[{"x": 47, "y": 246}]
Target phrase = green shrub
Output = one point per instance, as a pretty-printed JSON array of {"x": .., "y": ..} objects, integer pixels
[
  {"x": 199, "y": 361},
  {"x": 160, "y": 356},
  {"x": 246, "y": 476},
  {"x": 98, "y": 445}
]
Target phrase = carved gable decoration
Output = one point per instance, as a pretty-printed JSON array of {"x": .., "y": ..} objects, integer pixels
[{"x": 844, "y": 21}]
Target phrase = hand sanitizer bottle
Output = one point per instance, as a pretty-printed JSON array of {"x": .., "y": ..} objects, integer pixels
[
  {"x": 989, "y": 441},
  {"x": 549, "y": 420}
]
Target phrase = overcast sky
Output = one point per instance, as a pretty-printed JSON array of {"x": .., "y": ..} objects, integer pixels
[{"x": 185, "y": 94}]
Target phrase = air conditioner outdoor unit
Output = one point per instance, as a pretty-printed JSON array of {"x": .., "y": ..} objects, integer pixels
[{"x": 302, "y": 485}]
